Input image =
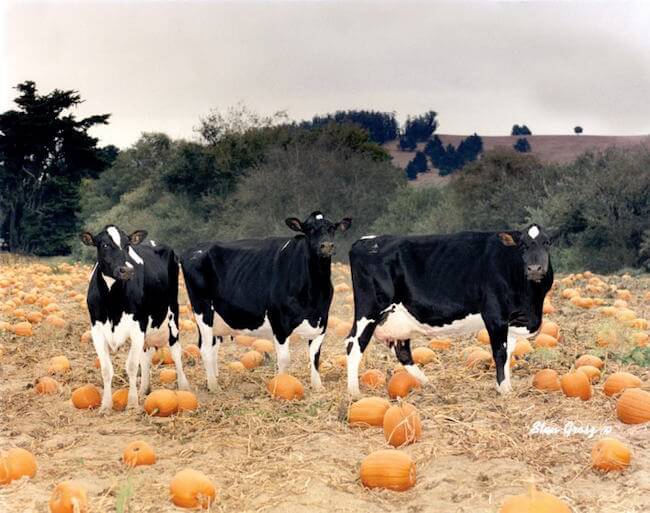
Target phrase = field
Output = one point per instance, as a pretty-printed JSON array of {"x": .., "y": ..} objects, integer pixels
[{"x": 301, "y": 456}]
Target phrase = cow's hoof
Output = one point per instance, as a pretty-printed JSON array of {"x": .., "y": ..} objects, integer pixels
[
  {"x": 213, "y": 387},
  {"x": 105, "y": 409},
  {"x": 504, "y": 388},
  {"x": 354, "y": 394},
  {"x": 317, "y": 387}
]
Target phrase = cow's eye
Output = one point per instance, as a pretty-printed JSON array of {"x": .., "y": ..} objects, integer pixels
[{"x": 104, "y": 245}]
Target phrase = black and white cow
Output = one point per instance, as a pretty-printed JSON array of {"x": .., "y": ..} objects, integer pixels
[
  {"x": 132, "y": 292},
  {"x": 448, "y": 284},
  {"x": 272, "y": 287}
]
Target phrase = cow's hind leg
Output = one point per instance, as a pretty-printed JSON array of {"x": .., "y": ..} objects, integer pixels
[
  {"x": 314, "y": 359},
  {"x": 105, "y": 364},
  {"x": 502, "y": 349},
  {"x": 281, "y": 352},
  {"x": 402, "y": 351},
  {"x": 356, "y": 343},
  {"x": 145, "y": 372},
  {"x": 204, "y": 317},
  {"x": 133, "y": 363},
  {"x": 175, "y": 348}
]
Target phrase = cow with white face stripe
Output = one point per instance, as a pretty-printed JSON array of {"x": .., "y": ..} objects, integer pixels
[
  {"x": 273, "y": 288},
  {"x": 132, "y": 292},
  {"x": 435, "y": 285}
]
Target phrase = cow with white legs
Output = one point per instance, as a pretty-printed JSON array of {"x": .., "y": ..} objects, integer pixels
[
  {"x": 133, "y": 291},
  {"x": 273, "y": 288},
  {"x": 434, "y": 285}
]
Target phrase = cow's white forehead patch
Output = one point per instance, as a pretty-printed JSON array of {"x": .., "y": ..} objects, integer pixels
[
  {"x": 533, "y": 232},
  {"x": 115, "y": 235},
  {"x": 319, "y": 216}
]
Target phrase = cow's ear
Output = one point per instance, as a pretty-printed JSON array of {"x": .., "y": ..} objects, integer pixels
[
  {"x": 344, "y": 224},
  {"x": 87, "y": 238},
  {"x": 137, "y": 237},
  {"x": 294, "y": 223},
  {"x": 506, "y": 239}
]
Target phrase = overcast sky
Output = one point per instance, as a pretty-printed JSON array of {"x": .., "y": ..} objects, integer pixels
[{"x": 158, "y": 66}]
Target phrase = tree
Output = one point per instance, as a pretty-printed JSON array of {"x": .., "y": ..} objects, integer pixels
[
  {"x": 407, "y": 142},
  {"x": 420, "y": 162},
  {"x": 470, "y": 148},
  {"x": 520, "y": 130},
  {"x": 45, "y": 152},
  {"x": 411, "y": 171},
  {"x": 435, "y": 150},
  {"x": 578, "y": 130},
  {"x": 381, "y": 126},
  {"x": 420, "y": 128},
  {"x": 522, "y": 145}
]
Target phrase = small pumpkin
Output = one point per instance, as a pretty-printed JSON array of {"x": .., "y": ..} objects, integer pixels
[
  {"x": 15, "y": 464},
  {"x": 120, "y": 399},
  {"x": 46, "y": 385},
  {"x": 58, "y": 365},
  {"x": 69, "y": 497},
  {"x": 285, "y": 386},
  {"x": 576, "y": 384},
  {"x": 483, "y": 336},
  {"x": 368, "y": 411},
  {"x": 423, "y": 355},
  {"x": 544, "y": 340},
  {"x": 633, "y": 406},
  {"x": 34, "y": 317},
  {"x": 342, "y": 329},
  {"x": 55, "y": 320},
  {"x": 479, "y": 358},
  {"x": 236, "y": 367},
  {"x": 22, "y": 329},
  {"x": 619, "y": 381},
  {"x": 138, "y": 453},
  {"x": 161, "y": 403},
  {"x": 401, "y": 383},
  {"x": 167, "y": 376},
  {"x": 244, "y": 340},
  {"x": 606, "y": 338},
  {"x": 440, "y": 343},
  {"x": 187, "y": 401},
  {"x": 588, "y": 359},
  {"x": 548, "y": 308},
  {"x": 86, "y": 337},
  {"x": 373, "y": 379},
  {"x": 550, "y": 328},
  {"x": 192, "y": 489},
  {"x": 593, "y": 373},
  {"x": 261, "y": 345},
  {"x": 522, "y": 348},
  {"x": 192, "y": 352},
  {"x": 533, "y": 501},
  {"x": 251, "y": 359},
  {"x": 402, "y": 425},
  {"x": 86, "y": 397},
  {"x": 610, "y": 454},
  {"x": 547, "y": 380},
  {"x": 390, "y": 469},
  {"x": 162, "y": 355}
]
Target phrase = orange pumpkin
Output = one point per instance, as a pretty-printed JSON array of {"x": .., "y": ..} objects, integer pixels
[
  {"x": 548, "y": 308},
  {"x": 390, "y": 469},
  {"x": 641, "y": 339},
  {"x": 569, "y": 293},
  {"x": 162, "y": 355},
  {"x": 546, "y": 379},
  {"x": 522, "y": 348},
  {"x": 368, "y": 411},
  {"x": 59, "y": 365},
  {"x": 610, "y": 454},
  {"x": 46, "y": 385},
  {"x": 437, "y": 343},
  {"x": 251, "y": 359},
  {"x": 423, "y": 355},
  {"x": 86, "y": 397},
  {"x": 22, "y": 329},
  {"x": 533, "y": 501},
  {"x": 120, "y": 399},
  {"x": 55, "y": 320},
  {"x": 192, "y": 489},
  {"x": 244, "y": 340},
  {"x": 550, "y": 328},
  {"x": 285, "y": 386},
  {"x": 192, "y": 352},
  {"x": 167, "y": 376},
  {"x": 544, "y": 340},
  {"x": 236, "y": 367},
  {"x": 138, "y": 453},
  {"x": 593, "y": 373},
  {"x": 261, "y": 345},
  {"x": 479, "y": 358},
  {"x": 373, "y": 379},
  {"x": 342, "y": 329},
  {"x": 69, "y": 497},
  {"x": 34, "y": 317},
  {"x": 633, "y": 407},
  {"x": 619, "y": 381},
  {"x": 161, "y": 403},
  {"x": 606, "y": 338},
  {"x": 576, "y": 384},
  {"x": 588, "y": 359},
  {"x": 15, "y": 464},
  {"x": 402, "y": 425},
  {"x": 483, "y": 336},
  {"x": 401, "y": 383},
  {"x": 86, "y": 337},
  {"x": 582, "y": 302},
  {"x": 187, "y": 401}
]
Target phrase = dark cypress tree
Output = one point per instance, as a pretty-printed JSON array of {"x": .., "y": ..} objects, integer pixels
[
  {"x": 420, "y": 162},
  {"x": 411, "y": 172},
  {"x": 522, "y": 145},
  {"x": 435, "y": 151}
]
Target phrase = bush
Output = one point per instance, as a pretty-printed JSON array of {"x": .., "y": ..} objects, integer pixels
[{"x": 522, "y": 145}]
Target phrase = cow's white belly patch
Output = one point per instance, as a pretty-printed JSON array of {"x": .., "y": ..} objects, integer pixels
[
  {"x": 221, "y": 329},
  {"x": 306, "y": 330},
  {"x": 118, "y": 335}
]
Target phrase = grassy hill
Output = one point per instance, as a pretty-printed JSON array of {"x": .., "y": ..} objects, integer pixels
[{"x": 549, "y": 148}]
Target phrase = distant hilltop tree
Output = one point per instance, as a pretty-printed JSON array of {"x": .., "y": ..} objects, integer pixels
[
  {"x": 418, "y": 129},
  {"x": 522, "y": 145},
  {"x": 381, "y": 126},
  {"x": 449, "y": 159},
  {"x": 578, "y": 130},
  {"x": 520, "y": 130}
]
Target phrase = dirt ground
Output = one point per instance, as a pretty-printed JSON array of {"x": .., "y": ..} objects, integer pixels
[{"x": 265, "y": 455}]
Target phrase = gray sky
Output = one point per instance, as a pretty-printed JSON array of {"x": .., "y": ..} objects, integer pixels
[{"x": 483, "y": 66}]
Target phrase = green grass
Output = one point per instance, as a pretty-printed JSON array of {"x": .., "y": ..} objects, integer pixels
[{"x": 124, "y": 493}]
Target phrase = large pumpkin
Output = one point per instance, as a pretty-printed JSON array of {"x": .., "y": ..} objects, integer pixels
[
  {"x": 533, "y": 502},
  {"x": 610, "y": 454},
  {"x": 46, "y": 385},
  {"x": 86, "y": 397},
  {"x": 402, "y": 425},
  {"x": 161, "y": 403},
  {"x": 633, "y": 407},
  {"x": 16, "y": 463},
  {"x": 547, "y": 380},
  {"x": 401, "y": 383},
  {"x": 423, "y": 355},
  {"x": 192, "y": 489},
  {"x": 390, "y": 469},
  {"x": 588, "y": 359},
  {"x": 373, "y": 379},
  {"x": 368, "y": 411},
  {"x": 619, "y": 381},
  {"x": 285, "y": 386},
  {"x": 69, "y": 497},
  {"x": 576, "y": 384},
  {"x": 187, "y": 400},
  {"x": 138, "y": 453}
]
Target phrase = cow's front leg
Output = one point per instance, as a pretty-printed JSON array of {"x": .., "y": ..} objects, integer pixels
[
  {"x": 355, "y": 344},
  {"x": 206, "y": 341},
  {"x": 105, "y": 364},
  {"x": 133, "y": 363},
  {"x": 314, "y": 359},
  {"x": 402, "y": 350},
  {"x": 282, "y": 352},
  {"x": 502, "y": 348},
  {"x": 176, "y": 350},
  {"x": 145, "y": 370}
]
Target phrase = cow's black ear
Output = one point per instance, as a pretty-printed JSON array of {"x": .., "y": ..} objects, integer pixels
[
  {"x": 137, "y": 237},
  {"x": 344, "y": 224},
  {"x": 87, "y": 238},
  {"x": 506, "y": 239},
  {"x": 294, "y": 223}
]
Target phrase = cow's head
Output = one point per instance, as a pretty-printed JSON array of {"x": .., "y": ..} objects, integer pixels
[
  {"x": 534, "y": 245},
  {"x": 319, "y": 232},
  {"x": 114, "y": 250}
]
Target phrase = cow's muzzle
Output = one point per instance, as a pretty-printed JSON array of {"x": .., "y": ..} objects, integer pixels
[
  {"x": 535, "y": 273},
  {"x": 125, "y": 273},
  {"x": 327, "y": 249}
]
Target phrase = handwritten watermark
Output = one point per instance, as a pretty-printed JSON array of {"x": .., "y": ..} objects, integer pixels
[{"x": 570, "y": 428}]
